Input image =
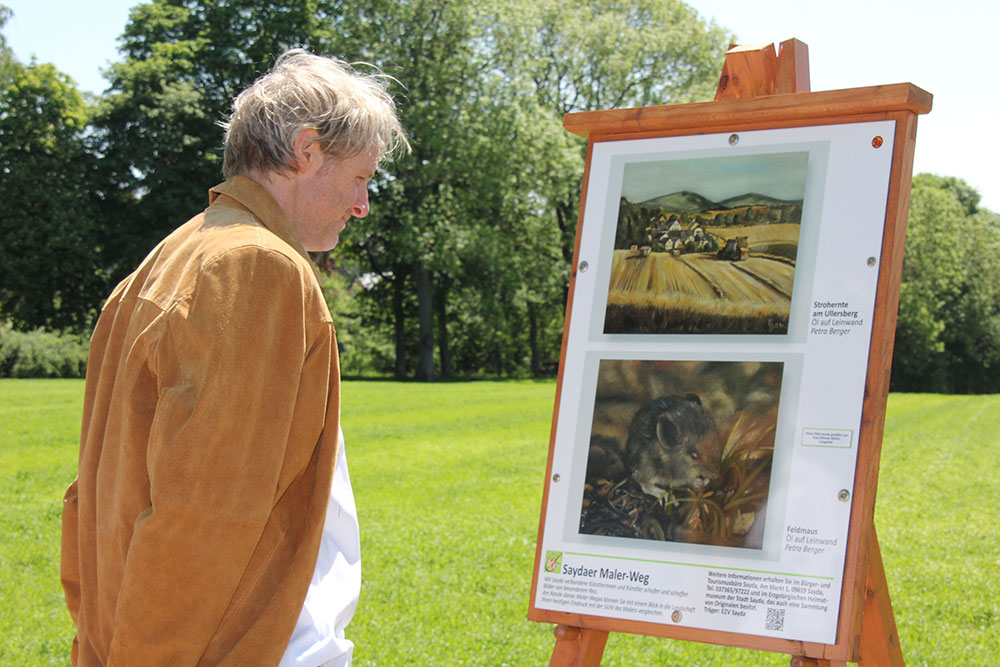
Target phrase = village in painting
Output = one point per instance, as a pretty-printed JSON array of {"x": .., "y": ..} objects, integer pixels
[{"x": 685, "y": 262}]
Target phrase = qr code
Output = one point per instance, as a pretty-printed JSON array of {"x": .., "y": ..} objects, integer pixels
[{"x": 775, "y": 619}]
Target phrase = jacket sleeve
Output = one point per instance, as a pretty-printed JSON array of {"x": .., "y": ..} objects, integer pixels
[
  {"x": 69, "y": 566},
  {"x": 230, "y": 369}
]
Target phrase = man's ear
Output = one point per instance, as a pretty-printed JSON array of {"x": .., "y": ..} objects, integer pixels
[{"x": 308, "y": 154}]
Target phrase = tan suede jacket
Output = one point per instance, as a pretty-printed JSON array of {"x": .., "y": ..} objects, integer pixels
[{"x": 207, "y": 449}]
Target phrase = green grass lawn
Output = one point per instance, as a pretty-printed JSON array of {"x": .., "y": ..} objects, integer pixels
[{"x": 448, "y": 481}]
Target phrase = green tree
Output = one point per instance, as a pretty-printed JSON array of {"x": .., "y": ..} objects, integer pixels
[
  {"x": 488, "y": 201},
  {"x": 948, "y": 332},
  {"x": 966, "y": 195},
  {"x": 8, "y": 64},
  {"x": 476, "y": 226},
  {"x": 50, "y": 261},
  {"x": 972, "y": 336},
  {"x": 513, "y": 268},
  {"x": 421, "y": 226},
  {"x": 157, "y": 126}
]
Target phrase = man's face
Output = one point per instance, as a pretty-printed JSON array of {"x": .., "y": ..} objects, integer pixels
[{"x": 329, "y": 192}]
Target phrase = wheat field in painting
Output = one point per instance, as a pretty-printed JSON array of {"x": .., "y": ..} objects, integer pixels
[{"x": 661, "y": 292}]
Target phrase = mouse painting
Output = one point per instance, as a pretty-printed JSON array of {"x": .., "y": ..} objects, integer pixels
[
  {"x": 682, "y": 451},
  {"x": 707, "y": 245}
]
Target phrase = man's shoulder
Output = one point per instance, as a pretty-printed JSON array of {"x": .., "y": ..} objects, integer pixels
[
  {"x": 221, "y": 229},
  {"x": 227, "y": 235},
  {"x": 224, "y": 242}
]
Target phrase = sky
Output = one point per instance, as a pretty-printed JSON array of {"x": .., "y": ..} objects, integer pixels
[{"x": 945, "y": 48}]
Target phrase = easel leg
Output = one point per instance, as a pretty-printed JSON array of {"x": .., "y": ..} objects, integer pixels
[
  {"x": 879, "y": 638},
  {"x": 879, "y": 646},
  {"x": 578, "y": 647},
  {"x": 802, "y": 661}
]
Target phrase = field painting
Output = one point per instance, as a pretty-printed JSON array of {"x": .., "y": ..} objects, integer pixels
[
  {"x": 681, "y": 451},
  {"x": 707, "y": 245}
]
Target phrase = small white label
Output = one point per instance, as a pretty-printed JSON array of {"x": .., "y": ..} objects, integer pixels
[{"x": 825, "y": 437}]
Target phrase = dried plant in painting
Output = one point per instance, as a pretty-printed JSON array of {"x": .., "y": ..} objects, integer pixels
[{"x": 729, "y": 511}]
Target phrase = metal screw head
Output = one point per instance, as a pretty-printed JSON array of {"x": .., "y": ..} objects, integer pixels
[
  {"x": 583, "y": 267},
  {"x": 734, "y": 139},
  {"x": 844, "y": 495},
  {"x": 676, "y": 616},
  {"x": 871, "y": 261},
  {"x": 556, "y": 477}
]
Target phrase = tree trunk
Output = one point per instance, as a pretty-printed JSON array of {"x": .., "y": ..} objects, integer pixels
[
  {"x": 441, "y": 304},
  {"x": 536, "y": 362},
  {"x": 567, "y": 212},
  {"x": 399, "y": 322},
  {"x": 425, "y": 316}
]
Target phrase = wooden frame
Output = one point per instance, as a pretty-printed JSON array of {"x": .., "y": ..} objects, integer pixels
[{"x": 865, "y": 629}]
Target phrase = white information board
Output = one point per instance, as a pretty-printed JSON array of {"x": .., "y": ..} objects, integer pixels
[{"x": 706, "y": 431}]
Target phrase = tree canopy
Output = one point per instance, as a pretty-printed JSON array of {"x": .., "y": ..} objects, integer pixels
[
  {"x": 50, "y": 274},
  {"x": 8, "y": 64},
  {"x": 474, "y": 225},
  {"x": 948, "y": 333},
  {"x": 462, "y": 266}
]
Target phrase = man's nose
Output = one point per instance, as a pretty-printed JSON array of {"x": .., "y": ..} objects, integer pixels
[{"x": 360, "y": 208}]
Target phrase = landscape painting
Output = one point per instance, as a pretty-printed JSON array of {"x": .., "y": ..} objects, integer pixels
[
  {"x": 707, "y": 246},
  {"x": 681, "y": 451}
]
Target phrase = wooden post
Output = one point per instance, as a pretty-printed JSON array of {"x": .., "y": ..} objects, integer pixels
[
  {"x": 802, "y": 661},
  {"x": 578, "y": 647},
  {"x": 879, "y": 639},
  {"x": 757, "y": 71},
  {"x": 793, "y": 67}
]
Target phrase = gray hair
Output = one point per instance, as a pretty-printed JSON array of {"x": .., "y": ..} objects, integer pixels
[{"x": 351, "y": 111}]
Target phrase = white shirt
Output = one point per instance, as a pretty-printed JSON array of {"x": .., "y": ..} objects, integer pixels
[{"x": 318, "y": 639}]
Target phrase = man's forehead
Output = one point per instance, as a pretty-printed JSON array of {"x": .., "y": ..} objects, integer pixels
[
  {"x": 366, "y": 161},
  {"x": 360, "y": 164}
]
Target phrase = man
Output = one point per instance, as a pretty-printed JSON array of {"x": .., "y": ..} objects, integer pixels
[{"x": 198, "y": 530}]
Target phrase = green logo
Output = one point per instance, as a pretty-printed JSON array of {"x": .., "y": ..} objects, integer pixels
[{"x": 553, "y": 561}]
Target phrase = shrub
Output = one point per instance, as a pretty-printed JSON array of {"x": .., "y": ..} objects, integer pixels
[{"x": 42, "y": 354}]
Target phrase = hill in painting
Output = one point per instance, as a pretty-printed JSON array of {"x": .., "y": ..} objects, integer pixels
[
  {"x": 681, "y": 202},
  {"x": 754, "y": 199},
  {"x": 686, "y": 201}
]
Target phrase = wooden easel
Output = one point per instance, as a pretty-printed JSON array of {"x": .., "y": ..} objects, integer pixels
[{"x": 751, "y": 78}]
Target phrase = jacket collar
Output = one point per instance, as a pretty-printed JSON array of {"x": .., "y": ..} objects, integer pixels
[{"x": 251, "y": 196}]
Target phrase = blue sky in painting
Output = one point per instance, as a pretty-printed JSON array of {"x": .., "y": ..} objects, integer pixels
[{"x": 778, "y": 175}]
